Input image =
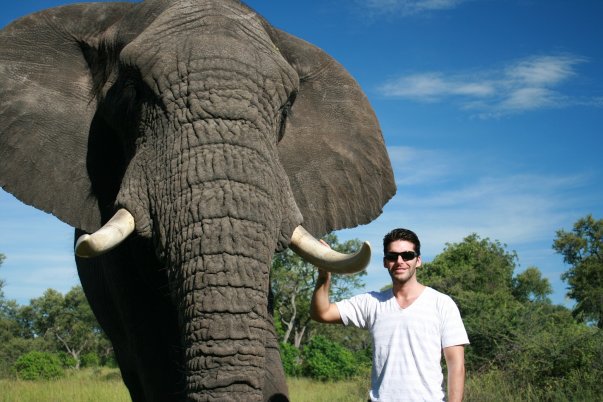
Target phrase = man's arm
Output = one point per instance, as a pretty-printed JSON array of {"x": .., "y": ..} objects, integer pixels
[
  {"x": 455, "y": 361},
  {"x": 321, "y": 309}
]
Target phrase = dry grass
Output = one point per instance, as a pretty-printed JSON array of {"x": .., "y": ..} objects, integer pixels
[
  {"x": 306, "y": 390},
  {"x": 91, "y": 385}
]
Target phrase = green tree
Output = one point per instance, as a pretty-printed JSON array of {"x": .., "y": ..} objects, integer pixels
[
  {"x": 582, "y": 249},
  {"x": 327, "y": 360},
  {"x": 478, "y": 274},
  {"x": 292, "y": 283},
  {"x": 474, "y": 264},
  {"x": 530, "y": 285},
  {"x": 65, "y": 322},
  {"x": 37, "y": 365},
  {"x": 555, "y": 354},
  {"x": 513, "y": 328},
  {"x": 12, "y": 345}
]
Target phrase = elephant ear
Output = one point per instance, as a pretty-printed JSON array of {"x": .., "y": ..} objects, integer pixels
[
  {"x": 332, "y": 149},
  {"x": 47, "y": 108}
]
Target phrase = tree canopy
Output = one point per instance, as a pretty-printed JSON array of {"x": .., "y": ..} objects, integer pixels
[
  {"x": 292, "y": 283},
  {"x": 582, "y": 249},
  {"x": 66, "y": 322},
  {"x": 512, "y": 325}
]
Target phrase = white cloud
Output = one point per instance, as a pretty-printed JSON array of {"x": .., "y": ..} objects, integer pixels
[
  {"x": 414, "y": 166},
  {"x": 543, "y": 70},
  {"x": 528, "y": 84},
  {"x": 522, "y": 210},
  {"x": 530, "y": 98},
  {"x": 433, "y": 86},
  {"x": 409, "y": 7}
]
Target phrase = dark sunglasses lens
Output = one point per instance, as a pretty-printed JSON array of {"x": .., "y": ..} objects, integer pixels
[{"x": 406, "y": 256}]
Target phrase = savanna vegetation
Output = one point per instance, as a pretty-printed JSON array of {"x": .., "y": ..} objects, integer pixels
[{"x": 523, "y": 347}]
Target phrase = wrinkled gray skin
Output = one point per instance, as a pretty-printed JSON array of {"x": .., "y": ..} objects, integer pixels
[{"x": 220, "y": 134}]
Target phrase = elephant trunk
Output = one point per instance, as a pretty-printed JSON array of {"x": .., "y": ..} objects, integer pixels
[
  {"x": 224, "y": 314},
  {"x": 218, "y": 232}
]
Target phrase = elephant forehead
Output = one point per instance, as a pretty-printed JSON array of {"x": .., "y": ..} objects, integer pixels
[
  {"x": 195, "y": 43},
  {"x": 228, "y": 88}
]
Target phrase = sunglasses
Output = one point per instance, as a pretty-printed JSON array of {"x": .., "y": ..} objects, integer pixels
[{"x": 406, "y": 256}]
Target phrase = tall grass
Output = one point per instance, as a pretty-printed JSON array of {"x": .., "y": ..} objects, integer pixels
[
  {"x": 92, "y": 385},
  {"x": 306, "y": 390},
  {"x": 88, "y": 385}
]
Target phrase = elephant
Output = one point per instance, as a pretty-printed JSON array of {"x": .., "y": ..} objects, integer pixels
[{"x": 187, "y": 141}]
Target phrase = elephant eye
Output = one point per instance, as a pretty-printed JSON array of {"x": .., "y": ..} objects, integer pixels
[
  {"x": 129, "y": 90},
  {"x": 285, "y": 111}
]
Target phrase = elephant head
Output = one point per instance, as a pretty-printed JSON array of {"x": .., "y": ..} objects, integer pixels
[{"x": 216, "y": 135}]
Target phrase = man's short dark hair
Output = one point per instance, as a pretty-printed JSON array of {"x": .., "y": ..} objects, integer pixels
[{"x": 402, "y": 234}]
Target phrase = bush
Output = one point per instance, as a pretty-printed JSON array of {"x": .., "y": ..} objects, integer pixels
[
  {"x": 291, "y": 358},
  {"x": 10, "y": 351},
  {"x": 90, "y": 360},
  {"x": 327, "y": 360},
  {"x": 67, "y": 361},
  {"x": 38, "y": 366}
]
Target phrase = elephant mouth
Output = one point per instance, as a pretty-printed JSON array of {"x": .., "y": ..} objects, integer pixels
[{"x": 122, "y": 225}]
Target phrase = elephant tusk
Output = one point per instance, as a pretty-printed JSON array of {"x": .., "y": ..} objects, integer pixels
[
  {"x": 112, "y": 234},
  {"x": 306, "y": 246}
]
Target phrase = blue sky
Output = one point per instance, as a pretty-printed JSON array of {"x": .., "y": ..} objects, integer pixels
[{"x": 492, "y": 112}]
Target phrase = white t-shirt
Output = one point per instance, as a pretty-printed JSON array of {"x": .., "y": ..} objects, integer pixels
[{"x": 407, "y": 343}]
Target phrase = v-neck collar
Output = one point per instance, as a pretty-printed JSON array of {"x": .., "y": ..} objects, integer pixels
[{"x": 395, "y": 300}]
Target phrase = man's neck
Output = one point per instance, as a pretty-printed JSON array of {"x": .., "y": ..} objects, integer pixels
[{"x": 406, "y": 293}]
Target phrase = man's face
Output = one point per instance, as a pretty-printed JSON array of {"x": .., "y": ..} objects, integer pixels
[{"x": 401, "y": 271}]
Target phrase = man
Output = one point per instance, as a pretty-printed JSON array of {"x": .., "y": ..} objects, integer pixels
[{"x": 410, "y": 325}]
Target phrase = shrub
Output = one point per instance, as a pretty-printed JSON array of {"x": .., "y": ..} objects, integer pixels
[
  {"x": 90, "y": 360},
  {"x": 67, "y": 361},
  {"x": 36, "y": 365},
  {"x": 291, "y": 357},
  {"x": 10, "y": 351},
  {"x": 327, "y": 360}
]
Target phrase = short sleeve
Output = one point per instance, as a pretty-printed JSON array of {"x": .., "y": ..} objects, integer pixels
[
  {"x": 453, "y": 329},
  {"x": 353, "y": 311}
]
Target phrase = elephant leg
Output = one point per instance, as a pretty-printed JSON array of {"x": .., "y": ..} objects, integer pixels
[
  {"x": 275, "y": 386},
  {"x": 141, "y": 323}
]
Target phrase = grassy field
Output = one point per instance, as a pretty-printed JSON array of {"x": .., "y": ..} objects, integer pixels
[
  {"x": 92, "y": 385},
  {"x": 88, "y": 385}
]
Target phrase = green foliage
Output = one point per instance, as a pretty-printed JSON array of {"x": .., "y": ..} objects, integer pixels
[
  {"x": 583, "y": 250},
  {"x": 54, "y": 323},
  {"x": 552, "y": 351},
  {"x": 11, "y": 349},
  {"x": 90, "y": 359},
  {"x": 11, "y": 344},
  {"x": 36, "y": 365},
  {"x": 292, "y": 282},
  {"x": 535, "y": 348},
  {"x": 291, "y": 358},
  {"x": 67, "y": 361},
  {"x": 65, "y": 322},
  {"x": 530, "y": 285},
  {"x": 326, "y": 360},
  {"x": 474, "y": 264},
  {"x": 478, "y": 274}
]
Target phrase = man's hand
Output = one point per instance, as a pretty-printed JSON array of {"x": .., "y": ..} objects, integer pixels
[{"x": 321, "y": 309}]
